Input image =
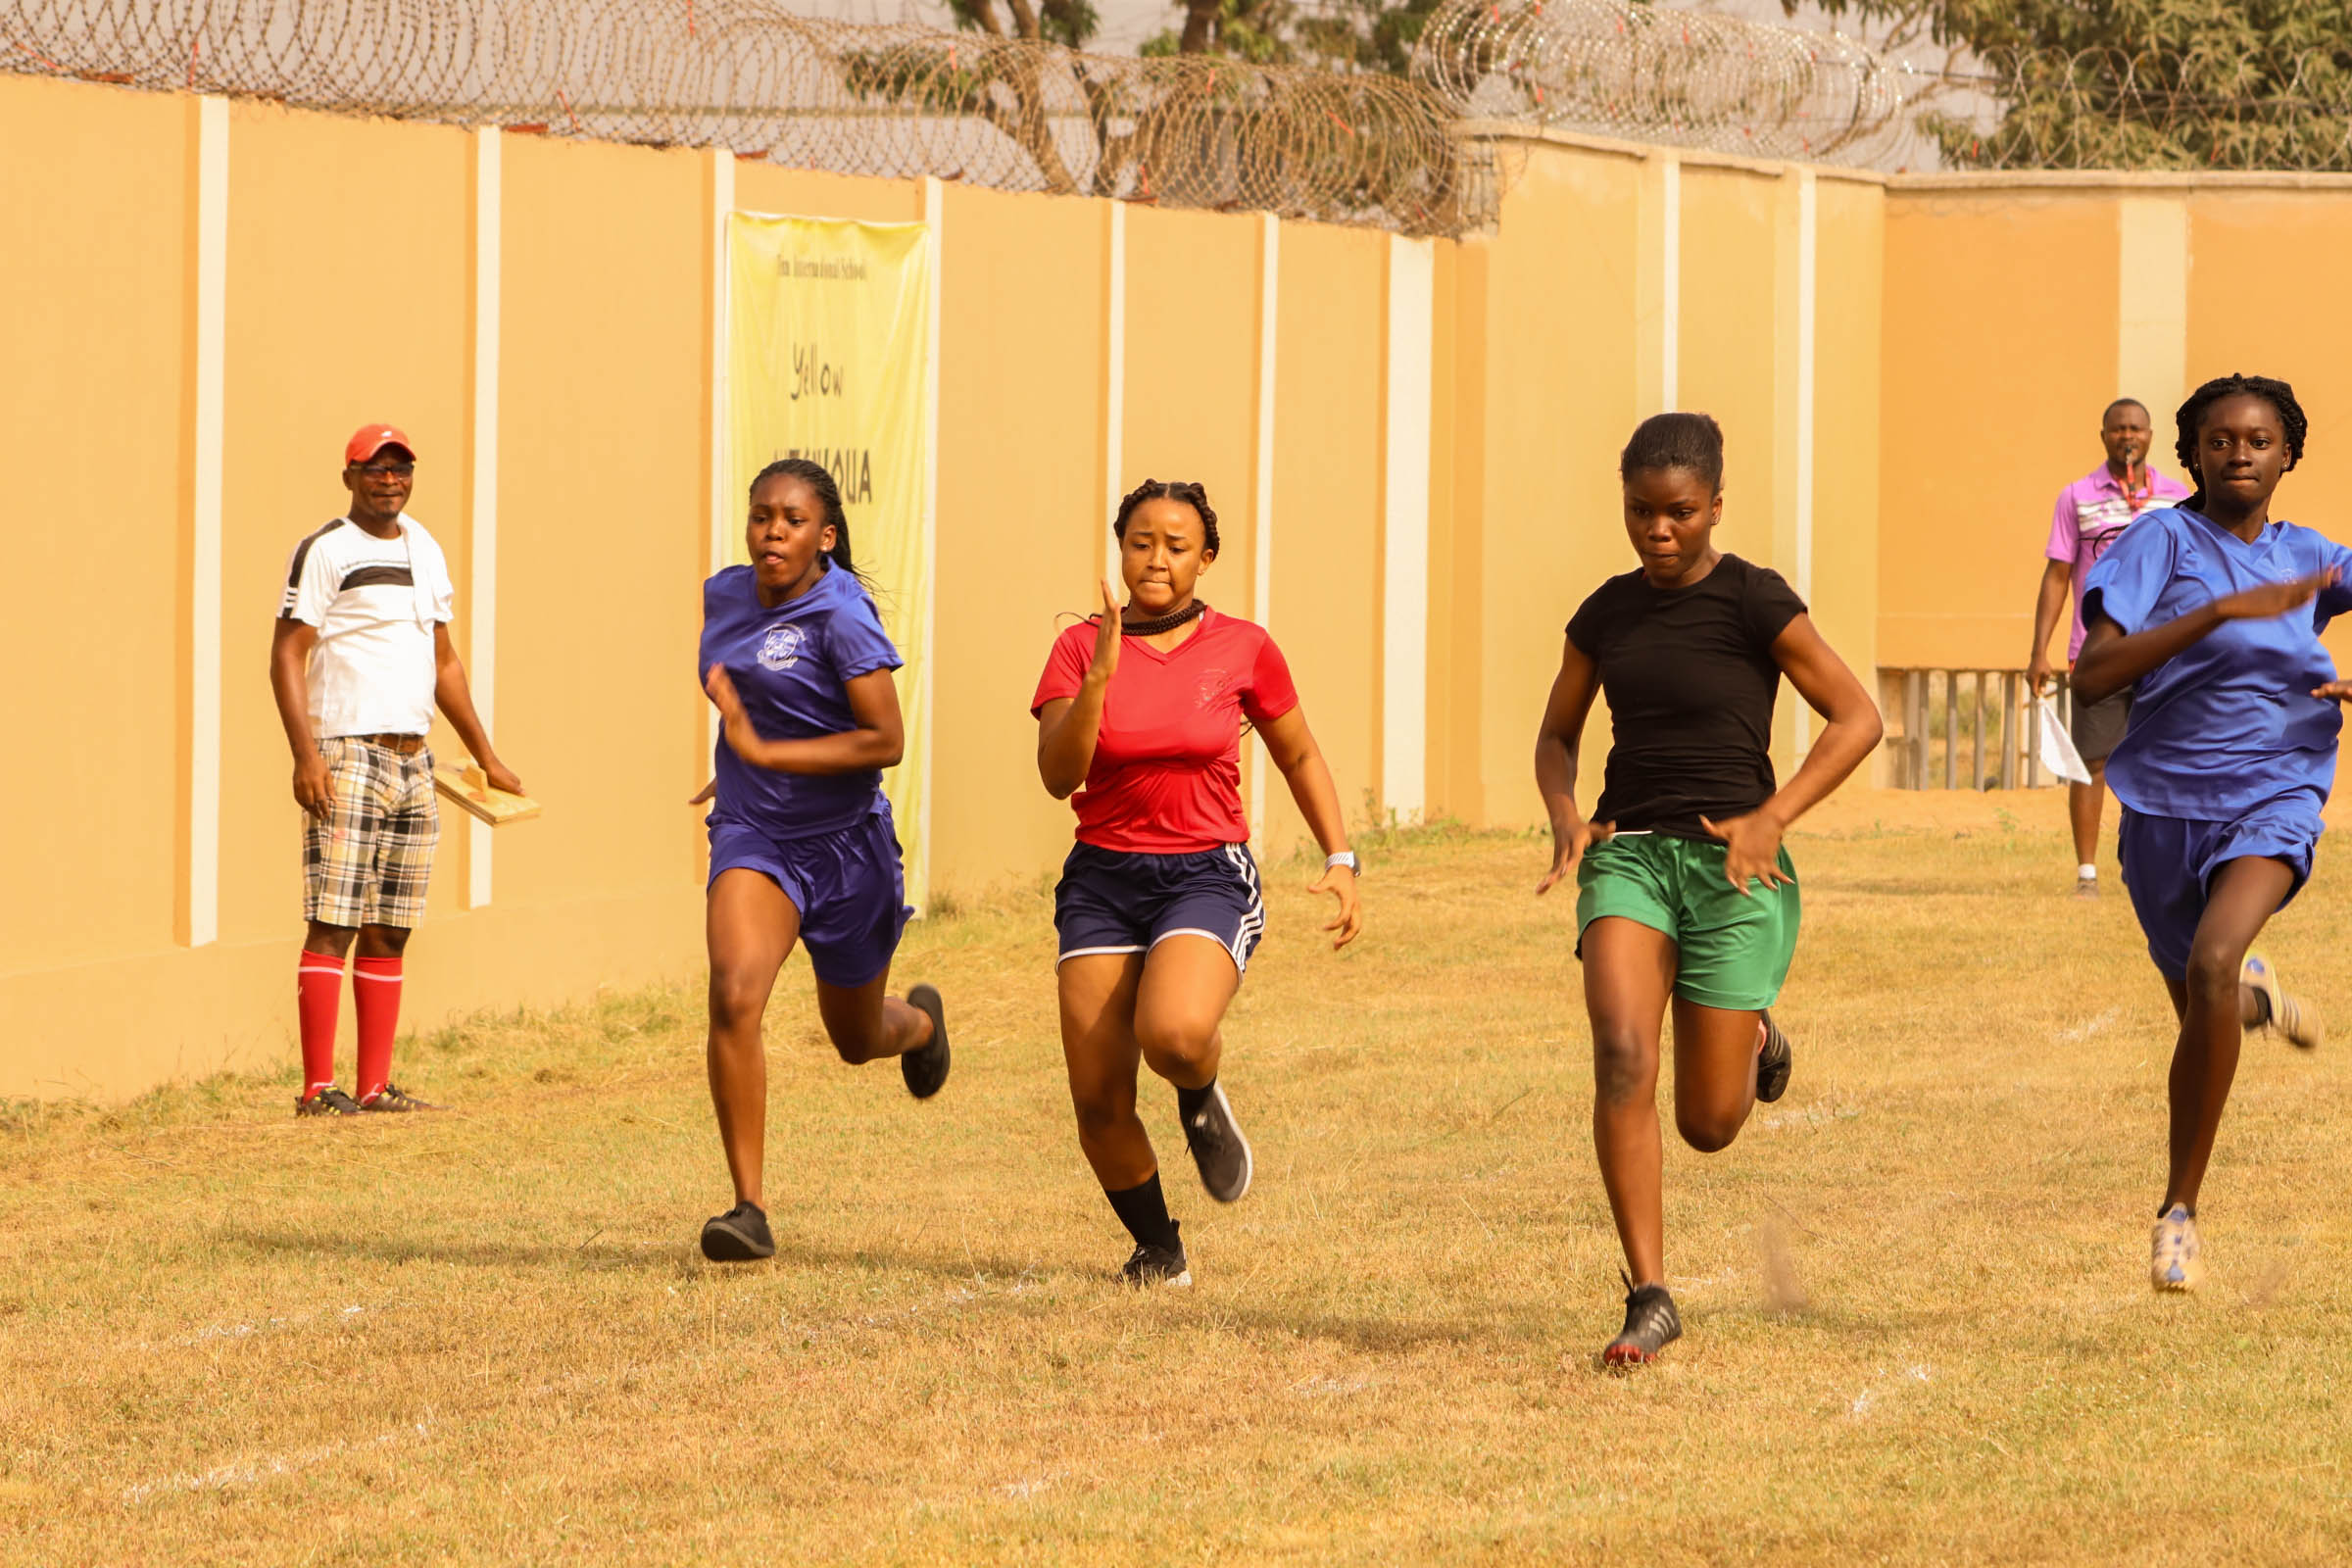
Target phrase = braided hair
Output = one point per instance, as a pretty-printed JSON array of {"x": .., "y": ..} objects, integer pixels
[
  {"x": 828, "y": 496},
  {"x": 1190, "y": 492},
  {"x": 1693, "y": 441},
  {"x": 2191, "y": 418}
]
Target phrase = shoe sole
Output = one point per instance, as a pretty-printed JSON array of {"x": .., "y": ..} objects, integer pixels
[
  {"x": 1768, "y": 1092},
  {"x": 724, "y": 1244},
  {"x": 1248, "y": 1160},
  {"x": 1625, "y": 1357},
  {"x": 926, "y": 998}
]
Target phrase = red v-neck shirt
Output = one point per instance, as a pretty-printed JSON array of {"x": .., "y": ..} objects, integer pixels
[{"x": 1166, "y": 779}]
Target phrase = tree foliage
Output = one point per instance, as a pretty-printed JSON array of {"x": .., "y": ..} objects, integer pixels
[{"x": 2137, "y": 83}]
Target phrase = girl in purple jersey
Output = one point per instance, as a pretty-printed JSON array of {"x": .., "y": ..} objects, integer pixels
[
  {"x": 802, "y": 849},
  {"x": 2211, "y": 613}
]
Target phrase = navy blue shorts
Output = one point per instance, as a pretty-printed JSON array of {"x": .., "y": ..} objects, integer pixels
[
  {"x": 1112, "y": 901},
  {"x": 2169, "y": 862},
  {"x": 848, "y": 885}
]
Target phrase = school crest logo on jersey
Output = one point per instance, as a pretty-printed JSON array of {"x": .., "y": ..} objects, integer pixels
[
  {"x": 1211, "y": 688},
  {"x": 780, "y": 649}
]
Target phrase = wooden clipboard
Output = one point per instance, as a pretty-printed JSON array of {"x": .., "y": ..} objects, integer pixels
[{"x": 470, "y": 787}]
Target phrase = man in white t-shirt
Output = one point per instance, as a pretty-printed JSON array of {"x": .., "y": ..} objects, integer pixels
[{"x": 361, "y": 657}]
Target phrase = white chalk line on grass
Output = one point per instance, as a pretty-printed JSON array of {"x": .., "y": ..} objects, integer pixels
[
  {"x": 213, "y": 1332},
  {"x": 266, "y": 1468}
]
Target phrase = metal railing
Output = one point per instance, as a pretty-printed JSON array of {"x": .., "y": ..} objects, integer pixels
[{"x": 1977, "y": 729}]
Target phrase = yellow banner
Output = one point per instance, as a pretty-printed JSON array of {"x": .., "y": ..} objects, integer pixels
[{"x": 828, "y": 358}]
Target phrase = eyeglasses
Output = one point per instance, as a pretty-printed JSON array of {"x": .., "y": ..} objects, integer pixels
[{"x": 386, "y": 471}]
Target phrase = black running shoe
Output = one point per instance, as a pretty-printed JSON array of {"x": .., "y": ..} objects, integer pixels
[
  {"x": 739, "y": 1235},
  {"x": 1772, "y": 1062},
  {"x": 1219, "y": 1149},
  {"x": 925, "y": 1067},
  {"x": 327, "y": 1102},
  {"x": 393, "y": 1097},
  {"x": 1157, "y": 1265},
  {"x": 1650, "y": 1325}
]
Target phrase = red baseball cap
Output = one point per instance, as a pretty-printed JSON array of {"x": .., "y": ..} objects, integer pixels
[{"x": 370, "y": 439}]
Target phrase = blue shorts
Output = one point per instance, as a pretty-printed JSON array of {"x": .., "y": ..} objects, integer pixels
[
  {"x": 1110, "y": 901},
  {"x": 2169, "y": 862},
  {"x": 848, "y": 885}
]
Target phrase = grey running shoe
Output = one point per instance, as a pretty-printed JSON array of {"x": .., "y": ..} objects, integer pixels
[
  {"x": 1773, "y": 1061},
  {"x": 393, "y": 1097},
  {"x": 925, "y": 1068},
  {"x": 739, "y": 1235},
  {"x": 1157, "y": 1265},
  {"x": 1219, "y": 1149},
  {"x": 1650, "y": 1325},
  {"x": 2288, "y": 1016},
  {"x": 327, "y": 1102}
]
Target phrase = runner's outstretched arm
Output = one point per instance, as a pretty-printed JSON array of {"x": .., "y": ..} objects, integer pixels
[
  {"x": 2113, "y": 659},
  {"x": 1557, "y": 740}
]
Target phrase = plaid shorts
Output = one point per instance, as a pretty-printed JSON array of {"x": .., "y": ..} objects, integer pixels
[{"x": 368, "y": 863}]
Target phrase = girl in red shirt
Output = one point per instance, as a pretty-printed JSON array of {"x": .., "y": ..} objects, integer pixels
[{"x": 1139, "y": 716}]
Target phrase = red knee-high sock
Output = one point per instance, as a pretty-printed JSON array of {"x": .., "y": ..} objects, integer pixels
[
  {"x": 375, "y": 997},
  {"x": 318, "y": 992}
]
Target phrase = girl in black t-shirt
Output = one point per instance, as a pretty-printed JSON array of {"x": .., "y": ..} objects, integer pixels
[{"x": 1684, "y": 894}]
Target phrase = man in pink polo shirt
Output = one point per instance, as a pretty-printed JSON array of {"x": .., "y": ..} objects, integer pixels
[{"x": 2092, "y": 513}]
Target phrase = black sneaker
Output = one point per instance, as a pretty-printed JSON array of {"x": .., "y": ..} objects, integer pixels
[
  {"x": 739, "y": 1235},
  {"x": 1650, "y": 1325},
  {"x": 393, "y": 1097},
  {"x": 925, "y": 1068},
  {"x": 327, "y": 1102},
  {"x": 1219, "y": 1149},
  {"x": 1157, "y": 1265},
  {"x": 1772, "y": 1062}
]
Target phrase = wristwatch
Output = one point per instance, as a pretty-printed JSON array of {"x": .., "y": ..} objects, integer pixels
[{"x": 1345, "y": 857}]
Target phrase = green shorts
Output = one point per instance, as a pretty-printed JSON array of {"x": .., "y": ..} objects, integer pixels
[{"x": 1735, "y": 947}]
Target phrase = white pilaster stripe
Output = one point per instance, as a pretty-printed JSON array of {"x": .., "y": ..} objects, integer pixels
[
  {"x": 1114, "y": 389},
  {"x": 935, "y": 208},
  {"x": 204, "y": 619},
  {"x": 722, "y": 164},
  {"x": 482, "y": 656},
  {"x": 1670, "y": 301},
  {"x": 1261, "y": 498},
  {"x": 1807, "y": 272},
  {"x": 2152, "y": 360},
  {"x": 1405, "y": 588}
]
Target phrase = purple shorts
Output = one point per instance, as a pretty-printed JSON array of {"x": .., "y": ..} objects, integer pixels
[
  {"x": 2169, "y": 862},
  {"x": 848, "y": 885}
]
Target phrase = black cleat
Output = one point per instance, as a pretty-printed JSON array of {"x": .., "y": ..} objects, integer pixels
[
  {"x": 739, "y": 1235},
  {"x": 925, "y": 1068},
  {"x": 1157, "y": 1265},
  {"x": 327, "y": 1102},
  {"x": 393, "y": 1097},
  {"x": 1772, "y": 1062},
  {"x": 1650, "y": 1325},
  {"x": 1219, "y": 1149}
]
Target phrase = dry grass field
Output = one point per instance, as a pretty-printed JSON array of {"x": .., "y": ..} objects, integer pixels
[{"x": 1919, "y": 1328}]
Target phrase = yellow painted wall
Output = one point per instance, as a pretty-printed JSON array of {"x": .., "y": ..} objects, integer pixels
[
  {"x": 1997, "y": 354},
  {"x": 1849, "y": 290},
  {"x": 97, "y": 341},
  {"x": 1326, "y": 495},
  {"x": 1732, "y": 278},
  {"x": 1966, "y": 336},
  {"x": 1020, "y": 512},
  {"x": 1547, "y": 403}
]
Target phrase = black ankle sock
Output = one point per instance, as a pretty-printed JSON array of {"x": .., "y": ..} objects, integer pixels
[
  {"x": 1190, "y": 1101},
  {"x": 1144, "y": 1210}
]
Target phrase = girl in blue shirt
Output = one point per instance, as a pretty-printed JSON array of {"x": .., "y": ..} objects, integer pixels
[
  {"x": 2212, "y": 613},
  {"x": 794, "y": 656}
]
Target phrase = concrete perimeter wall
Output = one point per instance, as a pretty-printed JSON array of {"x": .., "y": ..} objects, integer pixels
[{"x": 1411, "y": 445}]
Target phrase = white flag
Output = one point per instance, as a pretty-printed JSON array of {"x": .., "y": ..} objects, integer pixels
[{"x": 2058, "y": 753}]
